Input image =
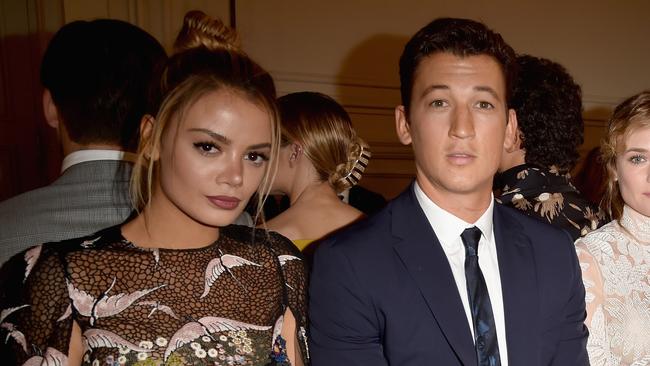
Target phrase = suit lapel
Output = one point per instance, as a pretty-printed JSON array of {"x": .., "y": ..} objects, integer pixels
[
  {"x": 419, "y": 249},
  {"x": 518, "y": 284}
]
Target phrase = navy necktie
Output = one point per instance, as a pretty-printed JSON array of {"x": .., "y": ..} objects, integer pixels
[{"x": 485, "y": 333}]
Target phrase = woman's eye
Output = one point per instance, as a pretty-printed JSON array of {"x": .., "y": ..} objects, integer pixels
[
  {"x": 637, "y": 159},
  {"x": 485, "y": 105},
  {"x": 256, "y": 157},
  {"x": 206, "y": 148}
]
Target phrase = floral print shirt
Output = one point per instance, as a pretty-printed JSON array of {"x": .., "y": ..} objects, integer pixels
[
  {"x": 548, "y": 195},
  {"x": 218, "y": 305},
  {"x": 615, "y": 263}
]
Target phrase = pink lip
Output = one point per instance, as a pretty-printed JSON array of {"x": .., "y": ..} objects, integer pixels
[
  {"x": 460, "y": 158},
  {"x": 224, "y": 202}
]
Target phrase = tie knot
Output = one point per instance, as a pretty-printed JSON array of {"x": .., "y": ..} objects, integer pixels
[{"x": 471, "y": 237}]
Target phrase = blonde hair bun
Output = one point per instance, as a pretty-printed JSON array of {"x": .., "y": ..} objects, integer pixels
[
  {"x": 201, "y": 30},
  {"x": 348, "y": 174}
]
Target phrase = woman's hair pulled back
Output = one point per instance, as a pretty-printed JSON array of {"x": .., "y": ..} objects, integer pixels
[
  {"x": 324, "y": 131},
  {"x": 207, "y": 58}
]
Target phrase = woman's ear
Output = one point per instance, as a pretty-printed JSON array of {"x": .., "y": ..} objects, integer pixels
[
  {"x": 296, "y": 152},
  {"x": 146, "y": 135}
]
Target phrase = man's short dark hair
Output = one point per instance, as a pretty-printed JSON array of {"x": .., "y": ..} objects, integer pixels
[
  {"x": 460, "y": 37},
  {"x": 100, "y": 75},
  {"x": 549, "y": 113}
]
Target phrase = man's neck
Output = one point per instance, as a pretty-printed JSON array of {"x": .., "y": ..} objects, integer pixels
[
  {"x": 67, "y": 152},
  {"x": 512, "y": 159},
  {"x": 70, "y": 146},
  {"x": 468, "y": 206}
]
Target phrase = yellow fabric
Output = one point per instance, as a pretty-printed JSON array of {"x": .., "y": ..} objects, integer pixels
[{"x": 302, "y": 243}]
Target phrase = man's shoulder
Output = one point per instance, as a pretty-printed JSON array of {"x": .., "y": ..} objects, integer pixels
[
  {"x": 111, "y": 175},
  {"x": 64, "y": 197},
  {"x": 367, "y": 235},
  {"x": 14, "y": 207},
  {"x": 552, "y": 248},
  {"x": 511, "y": 219},
  {"x": 64, "y": 209}
]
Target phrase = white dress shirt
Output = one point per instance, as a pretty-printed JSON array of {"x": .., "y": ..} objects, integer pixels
[
  {"x": 448, "y": 228},
  {"x": 82, "y": 156}
]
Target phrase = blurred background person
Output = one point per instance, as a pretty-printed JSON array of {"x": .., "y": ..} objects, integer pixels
[
  {"x": 321, "y": 156},
  {"x": 177, "y": 284},
  {"x": 591, "y": 178},
  {"x": 534, "y": 173},
  {"x": 615, "y": 259},
  {"x": 96, "y": 77}
]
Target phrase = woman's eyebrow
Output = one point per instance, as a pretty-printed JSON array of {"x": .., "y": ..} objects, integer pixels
[{"x": 217, "y": 136}]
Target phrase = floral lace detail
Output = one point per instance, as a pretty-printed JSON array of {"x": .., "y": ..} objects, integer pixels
[
  {"x": 636, "y": 225},
  {"x": 615, "y": 263}
]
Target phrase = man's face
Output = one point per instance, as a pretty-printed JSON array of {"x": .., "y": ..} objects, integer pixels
[{"x": 458, "y": 124}]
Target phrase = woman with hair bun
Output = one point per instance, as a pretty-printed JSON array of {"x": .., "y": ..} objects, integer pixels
[
  {"x": 177, "y": 284},
  {"x": 615, "y": 259},
  {"x": 321, "y": 155}
]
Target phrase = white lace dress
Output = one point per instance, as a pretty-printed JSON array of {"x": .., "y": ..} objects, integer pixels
[{"x": 615, "y": 262}]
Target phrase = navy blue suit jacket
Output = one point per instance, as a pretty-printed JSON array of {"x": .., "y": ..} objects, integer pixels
[{"x": 382, "y": 293}]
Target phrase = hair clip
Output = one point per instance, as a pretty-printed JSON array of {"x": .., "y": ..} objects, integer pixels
[{"x": 359, "y": 166}]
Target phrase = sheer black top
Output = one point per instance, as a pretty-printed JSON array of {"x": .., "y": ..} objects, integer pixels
[{"x": 217, "y": 305}]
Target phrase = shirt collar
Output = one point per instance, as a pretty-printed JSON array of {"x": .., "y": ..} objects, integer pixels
[
  {"x": 447, "y": 226},
  {"x": 83, "y": 156}
]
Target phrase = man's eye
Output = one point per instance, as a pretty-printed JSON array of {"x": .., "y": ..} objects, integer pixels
[
  {"x": 485, "y": 105},
  {"x": 438, "y": 103}
]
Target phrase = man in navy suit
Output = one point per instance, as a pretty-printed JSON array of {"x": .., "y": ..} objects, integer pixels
[{"x": 442, "y": 275}]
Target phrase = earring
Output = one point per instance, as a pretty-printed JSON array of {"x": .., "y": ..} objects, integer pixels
[{"x": 297, "y": 149}]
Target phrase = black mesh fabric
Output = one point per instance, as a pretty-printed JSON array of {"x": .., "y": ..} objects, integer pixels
[{"x": 215, "y": 305}]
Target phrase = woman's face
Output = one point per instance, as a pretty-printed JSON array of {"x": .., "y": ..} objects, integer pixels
[
  {"x": 633, "y": 171},
  {"x": 213, "y": 160}
]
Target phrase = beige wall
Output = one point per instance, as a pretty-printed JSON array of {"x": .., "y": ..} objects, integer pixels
[
  {"x": 349, "y": 49},
  {"x": 161, "y": 18}
]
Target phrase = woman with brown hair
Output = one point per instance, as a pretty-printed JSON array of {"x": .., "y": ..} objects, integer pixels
[
  {"x": 177, "y": 284},
  {"x": 321, "y": 155},
  {"x": 615, "y": 259}
]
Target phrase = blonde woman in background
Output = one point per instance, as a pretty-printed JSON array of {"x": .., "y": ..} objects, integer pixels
[
  {"x": 321, "y": 156},
  {"x": 176, "y": 285},
  {"x": 615, "y": 259}
]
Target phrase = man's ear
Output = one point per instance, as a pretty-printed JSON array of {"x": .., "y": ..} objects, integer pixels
[
  {"x": 511, "y": 142},
  {"x": 146, "y": 137},
  {"x": 402, "y": 125},
  {"x": 50, "y": 111}
]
